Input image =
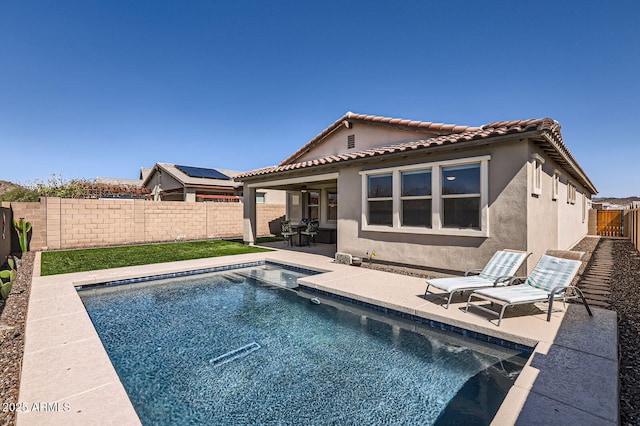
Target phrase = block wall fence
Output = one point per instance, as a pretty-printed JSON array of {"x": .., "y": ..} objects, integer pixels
[{"x": 63, "y": 223}]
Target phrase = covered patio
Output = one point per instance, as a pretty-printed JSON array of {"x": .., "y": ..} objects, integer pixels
[{"x": 308, "y": 198}]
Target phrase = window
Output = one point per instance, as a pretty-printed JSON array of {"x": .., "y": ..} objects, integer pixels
[
  {"x": 571, "y": 194},
  {"x": 416, "y": 198},
  {"x": 536, "y": 184},
  {"x": 313, "y": 205},
  {"x": 444, "y": 198},
  {"x": 332, "y": 206},
  {"x": 260, "y": 197},
  {"x": 555, "y": 189},
  {"x": 461, "y": 196},
  {"x": 380, "y": 199}
]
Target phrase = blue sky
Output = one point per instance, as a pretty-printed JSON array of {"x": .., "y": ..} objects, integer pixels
[{"x": 94, "y": 88}]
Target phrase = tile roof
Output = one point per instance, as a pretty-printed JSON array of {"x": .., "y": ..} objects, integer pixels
[
  {"x": 544, "y": 131},
  {"x": 435, "y": 128}
]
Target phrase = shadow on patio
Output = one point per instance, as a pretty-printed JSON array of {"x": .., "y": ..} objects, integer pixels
[{"x": 328, "y": 250}]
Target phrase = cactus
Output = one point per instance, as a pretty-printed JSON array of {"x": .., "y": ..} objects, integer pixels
[
  {"x": 23, "y": 228},
  {"x": 5, "y": 288}
]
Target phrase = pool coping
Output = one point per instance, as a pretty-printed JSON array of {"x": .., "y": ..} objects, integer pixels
[{"x": 570, "y": 377}]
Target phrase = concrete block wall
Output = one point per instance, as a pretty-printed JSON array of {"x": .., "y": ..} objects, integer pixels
[
  {"x": 92, "y": 223},
  {"x": 35, "y": 213},
  {"x": 73, "y": 223},
  {"x": 226, "y": 219},
  {"x": 174, "y": 220},
  {"x": 269, "y": 217}
]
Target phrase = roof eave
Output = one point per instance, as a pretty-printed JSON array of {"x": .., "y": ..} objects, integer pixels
[
  {"x": 569, "y": 162},
  {"x": 572, "y": 164}
]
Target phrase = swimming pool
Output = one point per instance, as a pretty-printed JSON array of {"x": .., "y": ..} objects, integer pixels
[{"x": 226, "y": 348}]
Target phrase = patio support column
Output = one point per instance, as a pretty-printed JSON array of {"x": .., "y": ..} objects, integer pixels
[{"x": 249, "y": 216}]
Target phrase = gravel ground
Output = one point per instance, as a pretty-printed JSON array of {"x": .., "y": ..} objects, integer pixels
[
  {"x": 12, "y": 322},
  {"x": 625, "y": 299}
]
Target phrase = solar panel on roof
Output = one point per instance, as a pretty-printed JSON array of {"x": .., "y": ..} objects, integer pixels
[{"x": 200, "y": 172}]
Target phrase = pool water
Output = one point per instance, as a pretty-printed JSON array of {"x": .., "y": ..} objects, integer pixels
[{"x": 232, "y": 348}]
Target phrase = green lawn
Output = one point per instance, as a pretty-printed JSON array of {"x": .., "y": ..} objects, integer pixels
[{"x": 64, "y": 262}]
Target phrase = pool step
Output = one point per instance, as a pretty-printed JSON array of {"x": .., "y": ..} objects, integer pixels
[
  {"x": 271, "y": 276},
  {"x": 234, "y": 354}
]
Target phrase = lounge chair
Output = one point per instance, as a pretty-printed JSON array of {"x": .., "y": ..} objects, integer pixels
[
  {"x": 498, "y": 271},
  {"x": 550, "y": 279}
]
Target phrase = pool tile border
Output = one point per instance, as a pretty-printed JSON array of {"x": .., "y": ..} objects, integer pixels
[
  {"x": 194, "y": 272},
  {"x": 525, "y": 349},
  {"x": 516, "y": 406}
]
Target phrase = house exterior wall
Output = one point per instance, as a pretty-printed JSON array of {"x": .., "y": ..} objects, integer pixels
[
  {"x": 366, "y": 136},
  {"x": 71, "y": 223},
  {"x": 165, "y": 180},
  {"x": 273, "y": 196},
  {"x": 507, "y": 216},
  {"x": 552, "y": 223}
]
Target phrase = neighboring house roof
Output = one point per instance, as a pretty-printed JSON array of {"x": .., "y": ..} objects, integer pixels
[
  {"x": 145, "y": 172},
  {"x": 119, "y": 181},
  {"x": 191, "y": 181},
  {"x": 545, "y": 132}
]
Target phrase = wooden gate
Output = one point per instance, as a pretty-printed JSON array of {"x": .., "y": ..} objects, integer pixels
[{"x": 610, "y": 223}]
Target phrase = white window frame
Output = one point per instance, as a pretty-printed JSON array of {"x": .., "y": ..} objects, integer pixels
[
  {"x": 309, "y": 205},
  {"x": 555, "y": 185},
  {"x": 415, "y": 197},
  {"x": 367, "y": 199},
  {"x": 536, "y": 173},
  {"x": 571, "y": 193},
  {"x": 328, "y": 205},
  {"x": 437, "y": 227}
]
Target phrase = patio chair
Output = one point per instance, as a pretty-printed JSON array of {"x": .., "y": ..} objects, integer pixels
[
  {"x": 498, "y": 271},
  {"x": 287, "y": 232},
  {"x": 312, "y": 230},
  {"x": 550, "y": 280}
]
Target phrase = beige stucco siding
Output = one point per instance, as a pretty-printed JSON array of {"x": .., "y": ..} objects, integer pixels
[
  {"x": 552, "y": 224},
  {"x": 272, "y": 196},
  {"x": 507, "y": 216},
  {"x": 366, "y": 136},
  {"x": 165, "y": 180}
]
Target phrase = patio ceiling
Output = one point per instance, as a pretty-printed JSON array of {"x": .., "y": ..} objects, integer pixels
[{"x": 297, "y": 183}]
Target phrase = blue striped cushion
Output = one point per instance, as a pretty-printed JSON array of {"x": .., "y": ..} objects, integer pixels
[
  {"x": 551, "y": 272},
  {"x": 503, "y": 263}
]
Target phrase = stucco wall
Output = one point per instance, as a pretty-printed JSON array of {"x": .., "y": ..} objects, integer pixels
[
  {"x": 553, "y": 223},
  {"x": 68, "y": 223},
  {"x": 272, "y": 196},
  {"x": 507, "y": 217},
  {"x": 366, "y": 136}
]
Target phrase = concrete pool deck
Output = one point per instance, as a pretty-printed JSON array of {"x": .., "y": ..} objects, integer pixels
[{"x": 67, "y": 377}]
